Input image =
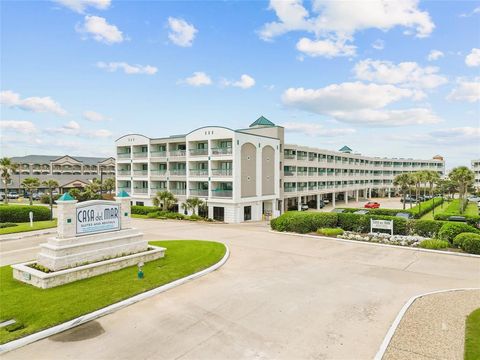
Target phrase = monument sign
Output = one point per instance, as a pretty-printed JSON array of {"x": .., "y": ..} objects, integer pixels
[{"x": 97, "y": 217}]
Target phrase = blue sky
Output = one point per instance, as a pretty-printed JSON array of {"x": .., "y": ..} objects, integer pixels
[{"x": 397, "y": 80}]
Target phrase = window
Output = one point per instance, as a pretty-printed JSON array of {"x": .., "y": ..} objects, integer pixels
[
  {"x": 247, "y": 213},
  {"x": 218, "y": 213}
]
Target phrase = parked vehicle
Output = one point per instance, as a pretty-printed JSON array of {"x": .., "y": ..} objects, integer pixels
[
  {"x": 2, "y": 196},
  {"x": 326, "y": 201},
  {"x": 304, "y": 207},
  {"x": 409, "y": 199},
  {"x": 12, "y": 195},
  {"x": 475, "y": 199},
  {"x": 372, "y": 205}
]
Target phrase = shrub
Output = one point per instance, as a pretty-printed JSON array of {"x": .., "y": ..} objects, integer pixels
[
  {"x": 384, "y": 212},
  {"x": 143, "y": 210},
  {"x": 303, "y": 222},
  {"x": 19, "y": 213},
  {"x": 45, "y": 198},
  {"x": 152, "y": 215},
  {"x": 354, "y": 222},
  {"x": 7, "y": 224},
  {"x": 472, "y": 220},
  {"x": 425, "y": 207},
  {"x": 434, "y": 244},
  {"x": 174, "y": 215},
  {"x": 330, "y": 231},
  {"x": 471, "y": 245},
  {"x": 426, "y": 228},
  {"x": 194, "y": 217},
  {"x": 460, "y": 238},
  {"x": 449, "y": 230}
]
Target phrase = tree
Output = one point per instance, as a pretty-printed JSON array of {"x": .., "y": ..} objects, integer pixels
[
  {"x": 194, "y": 203},
  {"x": 432, "y": 178},
  {"x": 463, "y": 178},
  {"x": 109, "y": 185},
  {"x": 403, "y": 181},
  {"x": 184, "y": 207},
  {"x": 164, "y": 198},
  {"x": 7, "y": 168},
  {"x": 31, "y": 184},
  {"x": 50, "y": 185}
]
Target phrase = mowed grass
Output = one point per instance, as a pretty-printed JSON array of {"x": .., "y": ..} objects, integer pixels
[
  {"x": 472, "y": 336},
  {"x": 24, "y": 227},
  {"x": 38, "y": 309},
  {"x": 453, "y": 207}
]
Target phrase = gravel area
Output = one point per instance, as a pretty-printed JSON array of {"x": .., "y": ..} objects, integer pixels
[{"x": 434, "y": 327}]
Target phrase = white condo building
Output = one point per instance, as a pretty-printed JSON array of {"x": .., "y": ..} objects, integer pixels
[
  {"x": 246, "y": 173},
  {"x": 476, "y": 170}
]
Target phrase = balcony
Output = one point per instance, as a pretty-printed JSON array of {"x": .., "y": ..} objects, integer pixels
[
  {"x": 140, "y": 172},
  {"x": 124, "y": 172},
  {"x": 178, "y": 172},
  {"x": 198, "y": 172},
  {"x": 158, "y": 172},
  {"x": 221, "y": 193},
  {"x": 126, "y": 189},
  {"x": 140, "y": 155},
  {"x": 158, "y": 154},
  {"x": 221, "y": 172},
  {"x": 178, "y": 191},
  {"x": 290, "y": 189},
  {"x": 221, "y": 151},
  {"x": 178, "y": 153},
  {"x": 199, "y": 192},
  {"x": 123, "y": 155},
  {"x": 290, "y": 156},
  {"x": 198, "y": 152},
  {"x": 288, "y": 173},
  {"x": 301, "y": 157},
  {"x": 140, "y": 191}
]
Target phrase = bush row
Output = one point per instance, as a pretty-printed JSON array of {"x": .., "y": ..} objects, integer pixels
[
  {"x": 143, "y": 210},
  {"x": 470, "y": 219},
  {"x": 387, "y": 212},
  {"x": 19, "y": 213},
  {"x": 172, "y": 215}
]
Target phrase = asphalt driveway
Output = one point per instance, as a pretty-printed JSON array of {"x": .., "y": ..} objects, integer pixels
[{"x": 277, "y": 297}]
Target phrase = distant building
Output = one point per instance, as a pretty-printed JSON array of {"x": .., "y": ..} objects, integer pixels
[
  {"x": 70, "y": 172},
  {"x": 476, "y": 170},
  {"x": 243, "y": 174}
]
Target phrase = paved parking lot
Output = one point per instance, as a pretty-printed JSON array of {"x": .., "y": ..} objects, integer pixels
[{"x": 277, "y": 297}]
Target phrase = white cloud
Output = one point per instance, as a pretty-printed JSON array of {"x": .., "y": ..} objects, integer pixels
[
  {"x": 127, "y": 68},
  {"x": 94, "y": 116},
  {"x": 356, "y": 102},
  {"x": 198, "y": 78},
  {"x": 473, "y": 12},
  {"x": 473, "y": 59},
  {"x": 100, "y": 30},
  {"x": 378, "y": 44},
  {"x": 181, "y": 32},
  {"x": 327, "y": 48},
  {"x": 73, "y": 128},
  {"x": 311, "y": 129},
  {"x": 458, "y": 132},
  {"x": 24, "y": 127},
  {"x": 446, "y": 136},
  {"x": 35, "y": 104},
  {"x": 245, "y": 82},
  {"x": 466, "y": 90},
  {"x": 435, "y": 55},
  {"x": 80, "y": 6},
  {"x": 338, "y": 21},
  {"x": 408, "y": 74}
]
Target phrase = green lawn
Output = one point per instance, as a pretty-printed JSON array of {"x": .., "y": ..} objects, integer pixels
[
  {"x": 472, "y": 336},
  {"x": 139, "y": 216},
  {"x": 22, "y": 227},
  {"x": 39, "y": 309},
  {"x": 452, "y": 207}
]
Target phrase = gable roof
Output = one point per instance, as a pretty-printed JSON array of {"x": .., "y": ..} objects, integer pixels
[
  {"x": 46, "y": 159},
  {"x": 262, "y": 121},
  {"x": 346, "y": 149}
]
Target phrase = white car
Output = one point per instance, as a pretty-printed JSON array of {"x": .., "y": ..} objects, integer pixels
[
  {"x": 474, "y": 199},
  {"x": 304, "y": 207}
]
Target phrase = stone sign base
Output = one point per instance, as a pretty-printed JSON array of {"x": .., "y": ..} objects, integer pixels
[{"x": 23, "y": 272}]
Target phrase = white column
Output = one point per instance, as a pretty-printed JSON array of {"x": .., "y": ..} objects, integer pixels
[
  {"x": 356, "y": 194},
  {"x": 346, "y": 197},
  {"x": 125, "y": 212},
  {"x": 389, "y": 193},
  {"x": 299, "y": 203},
  {"x": 333, "y": 199},
  {"x": 66, "y": 218},
  {"x": 318, "y": 202}
]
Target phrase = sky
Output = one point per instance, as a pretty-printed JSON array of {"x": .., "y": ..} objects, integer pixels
[{"x": 395, "y": 79}]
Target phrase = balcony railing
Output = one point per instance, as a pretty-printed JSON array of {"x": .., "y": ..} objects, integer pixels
[
  {"x": 199, "y": 192},
  {"x": 123, "y": 172},
  {"x": 222, "y": 151},
  {"x": 158, "y": 171},
  {"x": 178, "y": 191},
  {"x": 124, "y": 155},
  {"x": 222, "y": 172},
  {"x": 198, "y": 152},
  {"x": 289, "y": 156},
  {"x": 290, "y": 189},
  {"x": 140, "y": 172},
  {"x": 128, "y": 190},
  {"x": 301, "y": 157},
  {"x": 178, "y": 172},
  {"x": 158, "y": 154},
  {"x": 140, "y": 190},
  {"x": 158, "y": 188},
  {"x": 198, "y": 172},
  {"x": 288, "y": 173},
  {"x": 140, "y": 154},
  {"x": 177, "y": 153},
  {"x": 222, "y": 193}
]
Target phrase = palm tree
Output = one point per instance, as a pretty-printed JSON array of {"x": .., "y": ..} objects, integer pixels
[
  {"x": 31, "y": 184},
  {"x": 50, "y": 185},
  {"x": 403, "y": 181},
  {"x": 185, "y": 207},
  {"x": 7, "y": 168},
  {"x": 109, "y": 185},
  {"x": 463, "y": 178},
  {"x": 432, "y": 179},
  {"x": 164, "y": 198},
  {"x": 193, "y": 203}
]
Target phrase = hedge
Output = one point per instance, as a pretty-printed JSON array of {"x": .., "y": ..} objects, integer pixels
[
  {"x": 143, "y": 210},
  {"x": 450, "y": 230},
  {"x": 385, "y": 212},
  {"x": 471, "y": 245},
  {"x": 19, "y": 213},
  {"x": 460, "y": 238},
  {"x": 425, "y": 228},
  {"x": 434, "y": 244},
  {"x": 303, "y": 222},
  {"x": 426, "y": 206},
  {"x": 330, "y": 231},
  {"x": 470, "y": 219}
]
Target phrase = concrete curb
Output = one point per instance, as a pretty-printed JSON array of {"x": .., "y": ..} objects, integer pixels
[
  {"x": 27, "y": 234},
  {"x": 15, "y": 344},
  {"x": 378, "y": 244},
  {"x": 401, "y": 314}
]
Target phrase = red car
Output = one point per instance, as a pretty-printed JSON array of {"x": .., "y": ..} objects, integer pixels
[{"x": 372, "y": 205}]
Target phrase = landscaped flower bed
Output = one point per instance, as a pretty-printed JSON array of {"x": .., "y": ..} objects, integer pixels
[{"x": 383, "y": 238}]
